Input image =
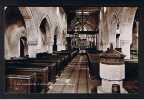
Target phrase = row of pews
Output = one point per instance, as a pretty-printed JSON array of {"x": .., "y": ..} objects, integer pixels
[
  {"x": 93, "y": 61},
  {"x": 131, "y": 66},
  {"x": 34, "y": 75}
]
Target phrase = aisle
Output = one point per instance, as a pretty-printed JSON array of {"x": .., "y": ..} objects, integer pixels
[{"x": 74, "y": 78}]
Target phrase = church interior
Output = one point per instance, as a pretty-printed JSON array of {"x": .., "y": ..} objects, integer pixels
[{"x": 71, "y": 50}]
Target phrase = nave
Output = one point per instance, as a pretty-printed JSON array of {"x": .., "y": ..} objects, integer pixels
[
  {"x": 75, "y": 78},
  {"x": 71, "y": 49},
  {"x": 79, "y": 75}
]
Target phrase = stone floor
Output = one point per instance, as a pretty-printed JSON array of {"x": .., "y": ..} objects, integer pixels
[{"x": 76, "y": 79}]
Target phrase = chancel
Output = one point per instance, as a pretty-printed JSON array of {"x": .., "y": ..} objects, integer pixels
[{"x": 71, "y": 49}]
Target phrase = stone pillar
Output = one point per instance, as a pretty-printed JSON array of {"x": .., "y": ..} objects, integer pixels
[
  {"x": 117, "y": 40},
  {"x": 137, "y": 25},
  {"x": 32, "y": 49},
  {"x": 112, "y": 71},
  {"x": 125, "y": 45},
  {"x": 60, "y": 47},
  {"x": 50, "y": 47},
  {"x": 126, "y": 39},
  {"x": 12, "y": 41},
  {"x": 31, "y": 37}
]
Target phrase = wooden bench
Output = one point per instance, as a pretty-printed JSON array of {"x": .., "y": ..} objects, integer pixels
[
  {"x": 41, "y": 74},
  {"x": 37, "y": 63},
  {"x": 51, "y": 72},
  {"x": 67, "y": 57},
  {"x": 53, "y": 58},
  {"x": 93, "y": 61},
  {"x": 41, "y": 77},
  {"x": 55, "y": 65},
  {"x": 20, "y": 83},
  {"x": 131, "y": 69}
]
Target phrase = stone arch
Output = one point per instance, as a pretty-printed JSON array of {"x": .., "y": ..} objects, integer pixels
[
  {"x": 45, "y": 35},
  {"x": 59, "y": 35},
  {"x": 26, "y": 12},
  {"x": 108, "y": 27},
  {"x": 15, "y": 28},
  {"x": 126, "y": 27},
  {"x": 44, "y": 27},
  {"x": 28, "y": 18},
  {"x": 48, "y": 36},
  {"x": 31, "y": 30},
  {"x": 34, "y": 35}
]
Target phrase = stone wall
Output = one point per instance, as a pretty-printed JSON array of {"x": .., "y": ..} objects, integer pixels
[
  {"x": 109, "y": 18},
  {"x": 33, "y": 16},
  {"x": 56, "y": 24}
]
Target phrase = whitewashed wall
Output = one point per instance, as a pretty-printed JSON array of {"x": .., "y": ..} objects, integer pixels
[
  {"x": 108, "y": 25},
  {"x": 33, "y": 17}
]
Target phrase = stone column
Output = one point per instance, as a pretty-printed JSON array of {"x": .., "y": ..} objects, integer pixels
[
  {"x": 60, "y": 47},
  {"x": 117, "y": 41},
  {"x": 31, "y": 37},
  {"x": 125, "y": 45},
  {"x": 137, "y": 25},
  {"x": 126, "y": 39},
  {"x": 50, "y": 47},
  {"x": 32, "y": 48}
]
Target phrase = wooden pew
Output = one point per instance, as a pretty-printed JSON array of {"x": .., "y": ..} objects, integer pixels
[
  {"x": 37, "y": 62},
  {"x": 93, "y": 61},
  {"x": 41, "y": 74},
  {"x": 52, "y": 69},
  {"x": 64, "y": 53},
  {"x": 41, "y": 77},
  {"x": 66, "y": 57},
  {"x": 131, "y": 69},
  {"x": 20, "y": 83},
  {"x": 54, "y": 65},
  {"x": 52, "y": 58},
  {"x": 70, "y": 53}
]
